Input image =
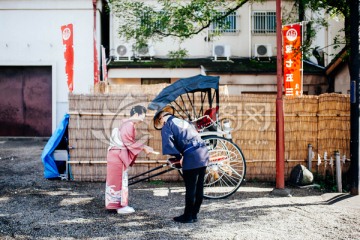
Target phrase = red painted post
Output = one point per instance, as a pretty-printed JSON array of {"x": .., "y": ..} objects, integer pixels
[
  {"x": 280, "y": 139},
  {"x": 96, "y": 62}
]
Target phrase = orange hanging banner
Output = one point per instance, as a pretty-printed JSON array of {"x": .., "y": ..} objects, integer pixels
[
  {"x": 96, "y": 63},
  {"x": 292, "y": 60},
  {"x": 67, "y": 37}
]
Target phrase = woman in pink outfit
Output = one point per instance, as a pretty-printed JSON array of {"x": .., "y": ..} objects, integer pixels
[{"x": 122, "y": 153}]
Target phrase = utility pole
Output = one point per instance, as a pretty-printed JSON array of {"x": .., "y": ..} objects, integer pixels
[
  {"x": 354, "y": 96},
  {"x": 280, "y": 137},
  {"x": 280, "y": 146}
]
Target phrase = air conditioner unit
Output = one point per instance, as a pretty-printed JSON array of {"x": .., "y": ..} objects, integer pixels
[
  {"x": 123, "y": 52},
  {"x": 221, "y": 51},
  {"x": 263, "y": 50},
  {"x": 146, "y": 51}
]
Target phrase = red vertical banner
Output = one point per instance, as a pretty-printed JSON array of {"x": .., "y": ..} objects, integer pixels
[
  {"x": 96, "y": 62},
  {"x": 292, "y": 60},
  {"x": 67, "y": 37}
]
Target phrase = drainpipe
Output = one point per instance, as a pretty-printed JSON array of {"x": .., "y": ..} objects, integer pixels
[
  {"x": 111, "y": 32},
  {"x": 94, "y": 28},
  {"x": 94, "y": 8},
  {"x": 250, "y": 33}
]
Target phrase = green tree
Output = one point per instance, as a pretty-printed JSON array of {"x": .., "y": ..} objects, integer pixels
[
  {"x": 332, "y": 8},
  {"x": 144, "y": 20}
]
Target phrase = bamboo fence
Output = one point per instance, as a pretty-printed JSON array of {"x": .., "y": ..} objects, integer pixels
[{"x": 323, "y": 121}]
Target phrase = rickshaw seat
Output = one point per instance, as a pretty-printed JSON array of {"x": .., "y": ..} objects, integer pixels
[{"x": 207, "y": 121}]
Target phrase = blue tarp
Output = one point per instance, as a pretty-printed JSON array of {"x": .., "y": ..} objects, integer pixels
[
  {"x": 50, "y": 168},
  {"x": 181, "y": 86}
]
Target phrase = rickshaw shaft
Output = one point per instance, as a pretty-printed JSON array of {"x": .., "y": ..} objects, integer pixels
[
  {"x": 157, "y": 174},
  {"x": 151, "y": 170}
]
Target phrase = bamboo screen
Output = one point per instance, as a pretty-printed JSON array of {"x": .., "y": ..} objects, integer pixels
[{"x": 322, "y": 121}]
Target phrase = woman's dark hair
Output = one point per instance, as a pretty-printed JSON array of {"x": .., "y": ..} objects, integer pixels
[{"x": 137, "y": 109}]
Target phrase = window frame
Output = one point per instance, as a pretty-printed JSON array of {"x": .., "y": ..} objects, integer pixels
[
  {"x": 155, "y": 25},
  {"x": 231, "y": 31},
  {"x": 264, "y": 17}
]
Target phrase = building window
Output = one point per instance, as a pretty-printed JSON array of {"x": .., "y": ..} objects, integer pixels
[
  {"x": 264, "y": 22},
  {"x": 149, "y": 81},
  {"x": 229, "y": 24},
  {"x": 151, "y": 21}
]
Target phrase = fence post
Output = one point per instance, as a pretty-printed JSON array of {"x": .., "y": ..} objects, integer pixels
[
  {"x": 309, "y": 157},
  {"x": 338, "y": 171}
]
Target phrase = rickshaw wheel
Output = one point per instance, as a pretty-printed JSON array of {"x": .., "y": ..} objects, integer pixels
[{"x": 226, "y": 169}]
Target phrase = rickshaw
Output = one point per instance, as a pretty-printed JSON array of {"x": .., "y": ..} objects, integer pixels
[{"x": 196, "y": 99}]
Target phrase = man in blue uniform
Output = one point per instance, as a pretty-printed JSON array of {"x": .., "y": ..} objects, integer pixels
[{"x": 181, "y": 140}]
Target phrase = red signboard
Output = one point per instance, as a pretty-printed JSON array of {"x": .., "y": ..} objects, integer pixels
[
  {"x": 292, "y": 60},
  {"x": 67, "y": 37},
  {"x": 96, "y": 62}
]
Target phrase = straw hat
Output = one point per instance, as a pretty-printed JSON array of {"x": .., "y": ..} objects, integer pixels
[{"x": 168, "y": 109}]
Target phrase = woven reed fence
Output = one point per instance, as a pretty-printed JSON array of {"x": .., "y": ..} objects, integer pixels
[{"x": 323, "y": 121}]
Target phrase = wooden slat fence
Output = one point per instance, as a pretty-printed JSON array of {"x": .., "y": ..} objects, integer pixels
[{"x": 323, "y": 121}]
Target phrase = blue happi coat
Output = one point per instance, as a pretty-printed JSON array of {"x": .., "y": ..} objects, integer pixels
[{"x": 180, "y": 138}]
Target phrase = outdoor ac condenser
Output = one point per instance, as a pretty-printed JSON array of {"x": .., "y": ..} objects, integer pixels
[
  {"x": 123, "y": 52},
  {"x": 221, "y": 51},
  {"x": 146, "y": 51},
  {"x": 263, "y": 50}
]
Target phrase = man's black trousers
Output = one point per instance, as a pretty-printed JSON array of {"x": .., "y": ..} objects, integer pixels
[{"x": 194, "y": 185}]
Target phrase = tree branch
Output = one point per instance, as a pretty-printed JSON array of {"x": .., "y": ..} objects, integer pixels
[{"x": 203, "y": 25}]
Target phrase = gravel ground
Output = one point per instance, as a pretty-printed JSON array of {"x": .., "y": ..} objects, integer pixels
[{"x": 32, "y": 207}]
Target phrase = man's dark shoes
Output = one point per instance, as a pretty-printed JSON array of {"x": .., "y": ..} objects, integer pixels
[
  {"x": 194, "y": 217},
  {"x": 183, "y": 219}
]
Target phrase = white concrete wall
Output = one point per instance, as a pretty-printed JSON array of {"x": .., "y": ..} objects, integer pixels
[
  {"x": 31, "y": 35},
  {"x": 335, "y": 29},
  {"x": 241, "y": 43},
  {"x": 324, "y": 38},
  {"x": 152, "y": 73}
]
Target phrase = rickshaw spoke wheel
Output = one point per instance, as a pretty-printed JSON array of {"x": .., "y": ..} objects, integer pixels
[{"x": 226, "y": 169}]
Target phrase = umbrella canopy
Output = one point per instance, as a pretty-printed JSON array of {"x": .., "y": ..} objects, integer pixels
[{"x": 181, "y": 86}]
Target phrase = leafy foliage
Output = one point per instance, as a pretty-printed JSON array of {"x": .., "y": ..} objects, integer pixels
[
  {"x": 177, "y": 58},
  {"x": 314, "y": 21},
  {"x": 141, "y": 21},
  {"x": 334, "y": 8},
  {"x": 144, "y": 20},
  {"x": 328, "y": 183}
]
